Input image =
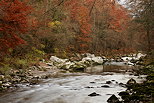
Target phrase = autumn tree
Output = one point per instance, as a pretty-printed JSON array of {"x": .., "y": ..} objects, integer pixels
[
  {"x": 13, "y": 23},
  {"x": 79, "y": 13}
]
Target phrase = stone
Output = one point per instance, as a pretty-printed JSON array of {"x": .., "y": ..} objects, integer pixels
[
  {"x": 92, "y": 82},
  {"x": 131, "y": 81},
  {"x": 105, "y": 86},
  {"x": 122, "y": 84},
  {"x": 1, "y": 77},
  {"x": 123, "y": 93},
  {"x": 89, "y": 87},
  {"x": 108, "y": 82},
  {"x": 8, "y": 84},
  {"x": 78, "y": 67},
  {"x": 93, "y": 94},
  {"x": 113, "y": 99}
]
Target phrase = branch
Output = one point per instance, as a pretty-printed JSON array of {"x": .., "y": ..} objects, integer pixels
[{"x": 92, "y": 7}]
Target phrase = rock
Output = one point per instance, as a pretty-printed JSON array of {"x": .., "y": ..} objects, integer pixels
[
  {"x": 73, "y": 59},
  {"x": 131, "y": 82},
  {"x": 124, "y": 95},
  {"x": 57, "y": 60},
  {"x": 1, "y": 77},
  {"x": 78, "y": 67},
  {"x": 92, "y": 82},
  {"x": 122, "y": 84},
  {"x": 89, "y": 87},
  {"x": 34, "y": 81},
  {"x": 93, "y": 59},
  {"x": 67, "y": 65},
  {"x": 133, "y": 61},
  {"x": 1, "y": 83},
  {"x": 105, "y": 86},
  {"x": 33, "y": 68},
  {"x": 50, "y": 64},
  {"x": 108, "y": 82},
  {"x": 119, "y": 60},
  {"x": 113, "y": 99},
  {"x": 8, "y": 84},
  {"x": 136, "y": 74},
  {"x": 93, "y": 94}
]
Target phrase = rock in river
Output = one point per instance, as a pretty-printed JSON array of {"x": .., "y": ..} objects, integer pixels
[
  {"x": 93, "y": 94},
  {"x": 131, "y": 81},
  {"x": 113, "y": 99},
  {"x": 108, "y": 82},
  {"x": 105, "y": 86}
]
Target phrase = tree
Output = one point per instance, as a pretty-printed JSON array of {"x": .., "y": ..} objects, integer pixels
[
  {"x": 80, "y": 14},
  {"x": 13, "y": 23},
  {"x": 143, "y": 11}
]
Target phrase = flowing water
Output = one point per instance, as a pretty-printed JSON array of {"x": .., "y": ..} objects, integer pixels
[{"x": 75, "y": 89}]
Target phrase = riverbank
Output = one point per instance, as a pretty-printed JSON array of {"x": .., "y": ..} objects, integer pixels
[
  {"x": 139, "y": 92},
  {"x": 56, "y": 66}
]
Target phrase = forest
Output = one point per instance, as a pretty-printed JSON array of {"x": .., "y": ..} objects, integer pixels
[{"x": 69, "y": 36}]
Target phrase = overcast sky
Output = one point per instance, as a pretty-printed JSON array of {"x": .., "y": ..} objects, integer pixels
[{"x": 122, "y": 1}]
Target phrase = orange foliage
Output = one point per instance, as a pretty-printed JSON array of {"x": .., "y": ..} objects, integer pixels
[
  {"x": 80, "y": 14},
  {"x": 119, "y": 17}
]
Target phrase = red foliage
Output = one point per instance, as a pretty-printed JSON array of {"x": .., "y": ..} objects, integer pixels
[
  {"x": 13, "y": 22},
  {"x": 80, "y": 14},
  {"x": 119, "y": 18}
]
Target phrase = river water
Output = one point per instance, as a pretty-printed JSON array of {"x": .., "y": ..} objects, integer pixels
[{"x": 75, "y": 88}]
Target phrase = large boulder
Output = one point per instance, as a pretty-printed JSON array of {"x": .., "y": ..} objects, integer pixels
[
  {"x": 133, "y": 58},
  {"x": 91, "y": 58},
  {"x": 67, "y": 65},
  {"x": 77, "y": 65},
  {"x": 55, "y": 59}
]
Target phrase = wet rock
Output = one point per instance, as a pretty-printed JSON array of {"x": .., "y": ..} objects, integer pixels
[
  {"x": 105, "y": 86},
  {"x": 119, "y": 60},
  {"x": 122, "y": 84},
  {"x": 89, "y": 87},
  {"x": 92, "y": 82},
  {"x": 124, "y": 95},
  {"x": 108, "y": 82},
  {"x": 93, "y": 94},
  {"x": 113, "y": 99},
  {"x": 8, "y": 84},
  {"x": 136, "y": 74},
  {"x": 133, "y": 61},
  {"x": 131, "y": 82}
]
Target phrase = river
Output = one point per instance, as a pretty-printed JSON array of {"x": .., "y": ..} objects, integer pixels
[{"x": 104, "y": 80}]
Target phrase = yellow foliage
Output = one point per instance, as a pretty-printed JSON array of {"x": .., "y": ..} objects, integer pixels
[{"x": 54, "y": 24}]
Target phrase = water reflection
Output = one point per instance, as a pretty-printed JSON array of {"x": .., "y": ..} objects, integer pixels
[{"x": 118, "y": 67}]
